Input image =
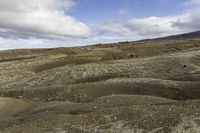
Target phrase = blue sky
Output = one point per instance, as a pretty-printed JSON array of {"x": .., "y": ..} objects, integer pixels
[
  {"x": 92, "y": 11},
  {"x": 66, "y": 23}
]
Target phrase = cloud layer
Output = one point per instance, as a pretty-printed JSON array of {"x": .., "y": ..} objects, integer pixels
[
  {"x": 47, "y": 23},
  {"x": 192, "y": 2},
  {"x": 39, "y": 18},
  {"x": 155, "y": 26}
]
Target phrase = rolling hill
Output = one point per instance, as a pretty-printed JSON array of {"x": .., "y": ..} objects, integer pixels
[{"x": 142, "y": 86}]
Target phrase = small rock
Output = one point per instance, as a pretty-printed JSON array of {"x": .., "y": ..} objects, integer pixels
[{"x": 20, "y": 97}]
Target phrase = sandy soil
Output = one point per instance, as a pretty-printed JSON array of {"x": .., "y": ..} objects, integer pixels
[{"x": 133, "y": 87}]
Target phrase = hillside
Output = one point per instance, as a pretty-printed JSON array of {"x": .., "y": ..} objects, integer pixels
[
  {"x": 190, "y": 35},
  {"x": 143, "y": 86}
]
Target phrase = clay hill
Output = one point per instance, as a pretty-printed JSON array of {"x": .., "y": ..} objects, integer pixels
[{"x": 130, "y": 87}]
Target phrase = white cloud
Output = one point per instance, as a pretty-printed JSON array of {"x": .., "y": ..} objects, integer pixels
[
  {"x": 189, "y": 21},
  {"x": 40, "y": 18},
  {"x": 154, "y": 26},
  {"x": 17, "y": 43},
  {"x": 192, "y": 2},
  {"x": 122, "y": 12},
  {"x": 45, "y": 23}
]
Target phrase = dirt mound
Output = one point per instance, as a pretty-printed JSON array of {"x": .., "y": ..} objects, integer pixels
[
  {"x": 131, "y": 100},
  {"x": 109, "y": 118},
  {"x": 145, "y": 86},
  {"x": 86, "y": 92},
  {"x": 12, "y": 107}
]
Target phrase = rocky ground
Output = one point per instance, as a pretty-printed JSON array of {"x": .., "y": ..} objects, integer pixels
[{"x": 130, "y": 87}]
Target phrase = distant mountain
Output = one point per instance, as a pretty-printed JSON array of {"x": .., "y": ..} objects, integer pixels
[
  {"x": 195, "y": 34},
  {"x": 191, "y": 35}
]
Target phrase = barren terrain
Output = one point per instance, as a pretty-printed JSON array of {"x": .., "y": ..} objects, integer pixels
[{"x": 130, "y": 87}]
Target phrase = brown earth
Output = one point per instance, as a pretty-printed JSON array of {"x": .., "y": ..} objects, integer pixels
[{"x": 130, "y": 87}]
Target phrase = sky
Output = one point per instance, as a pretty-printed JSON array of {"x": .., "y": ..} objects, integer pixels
[{"x": 67, "y": 23}]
